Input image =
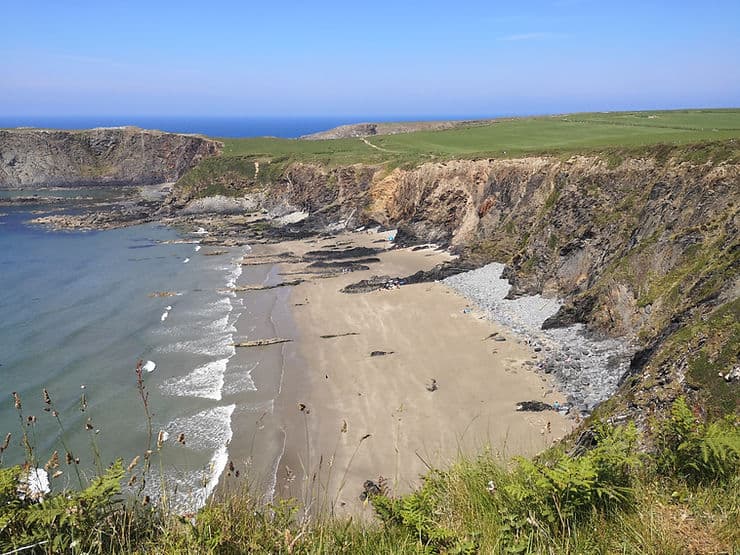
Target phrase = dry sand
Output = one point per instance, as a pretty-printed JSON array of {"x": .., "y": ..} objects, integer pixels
[{"x": 335, "y": 394}]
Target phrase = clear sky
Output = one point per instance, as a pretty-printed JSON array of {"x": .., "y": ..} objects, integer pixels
[{"x": 382, "y": 58}]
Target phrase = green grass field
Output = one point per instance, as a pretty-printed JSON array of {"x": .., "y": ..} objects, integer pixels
[{"x": 561, "y": 134}]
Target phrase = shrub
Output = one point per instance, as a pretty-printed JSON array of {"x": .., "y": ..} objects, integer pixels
[{"x": 697, "y": 451}]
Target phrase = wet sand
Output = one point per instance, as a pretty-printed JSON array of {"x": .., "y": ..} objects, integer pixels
[{"x": 350, "y": 417}]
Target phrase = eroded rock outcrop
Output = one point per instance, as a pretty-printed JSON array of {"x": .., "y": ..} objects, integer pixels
[{"x": 105, "y": 156}]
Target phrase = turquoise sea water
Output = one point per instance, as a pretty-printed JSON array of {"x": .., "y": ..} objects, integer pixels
[{"x": 78, "y": 312}]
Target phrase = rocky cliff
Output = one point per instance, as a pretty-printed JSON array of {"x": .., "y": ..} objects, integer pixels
[
  {"x": 106, "y": 156},
  {"x": 642, "y": 245}
]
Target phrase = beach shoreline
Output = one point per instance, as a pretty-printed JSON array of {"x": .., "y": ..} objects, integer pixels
[{"x": 383, "y": 385}]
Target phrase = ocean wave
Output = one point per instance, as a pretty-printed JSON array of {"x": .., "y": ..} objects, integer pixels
[
  {"x": 206, "y": 381},
  {"x": 208, "y": 430},
  {"x": 205, "y": 430},
  {"x": 214, "y": 346},
  {"x": 240, "y": 379}
]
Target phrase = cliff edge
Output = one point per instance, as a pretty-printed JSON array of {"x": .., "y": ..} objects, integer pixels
[{"x": 103, "y": 156}]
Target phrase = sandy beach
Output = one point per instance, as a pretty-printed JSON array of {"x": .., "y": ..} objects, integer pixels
[{"x": 447, "y": 383}]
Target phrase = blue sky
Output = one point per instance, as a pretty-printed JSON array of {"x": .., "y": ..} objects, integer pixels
[{"x": 382, "y": 58}]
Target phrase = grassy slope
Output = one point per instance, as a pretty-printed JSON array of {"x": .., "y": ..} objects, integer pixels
[{"x": 506, "y": 138}]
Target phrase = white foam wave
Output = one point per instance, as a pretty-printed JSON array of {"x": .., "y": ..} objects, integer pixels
[
  {"x": 164, "y": 316},
  {"x": 186, "y": 261},
  {"x": 236, "y": 271},
  {"x": 240, "y": 379},
  {"x": 206, "y": 381},
  {"x": 206, "y": 430},
  {"x": 150, "y": 366},
  {"x": 197, "y": 248},
  {"x": 214, "y": 346}
]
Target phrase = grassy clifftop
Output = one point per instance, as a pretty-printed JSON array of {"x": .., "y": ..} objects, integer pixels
[
  {"x": 506, "y": 138},
  {"x": 693, "y": 135}
]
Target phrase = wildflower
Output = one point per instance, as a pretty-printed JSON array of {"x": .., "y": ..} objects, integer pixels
[
  {"x": 34, "y": 484},
  {"x": 491, "y": 487}
]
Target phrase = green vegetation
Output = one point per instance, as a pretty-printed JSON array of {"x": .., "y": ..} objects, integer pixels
[
  {"x": 709, "y": 346},
  {"x": 506, "y": 138},
  {"x": 604, "y": 496},
  {"x": 692, "y": 135}
]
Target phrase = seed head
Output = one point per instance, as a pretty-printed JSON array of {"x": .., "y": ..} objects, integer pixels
[
  {"x": 53, "y": 462},
  {"x": 161, "y": 437},
  {"x": 133, "y": 463},
  {"x": 17, "y": 401},
  {"x": 47, "y": 399}
]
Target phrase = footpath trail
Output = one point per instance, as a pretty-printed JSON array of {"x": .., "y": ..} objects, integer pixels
[{"x": 376, "y": 147}]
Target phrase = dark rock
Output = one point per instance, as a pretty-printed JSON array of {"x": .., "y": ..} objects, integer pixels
[
  {"x": 354, "y": 265},
  {"x": 569, "y": 314},
  {"x": 355, "y": 252},
  {"x": 369, "y": 489},
  {"x": 332, "y": 336},
  {"x": 533, "y": 406}
]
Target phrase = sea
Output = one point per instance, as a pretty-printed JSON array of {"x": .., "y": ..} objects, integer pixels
[
  {"x": 283, "y": 127},
  {"x": 80, "y": 309}
]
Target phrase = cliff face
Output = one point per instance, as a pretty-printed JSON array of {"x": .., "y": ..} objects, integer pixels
[
  {"x": 106, "y": 156},
  {"x": 644, "y": 247}
]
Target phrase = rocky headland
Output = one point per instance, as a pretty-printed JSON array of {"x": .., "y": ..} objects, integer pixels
[{"x": 106, "y": 156}]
